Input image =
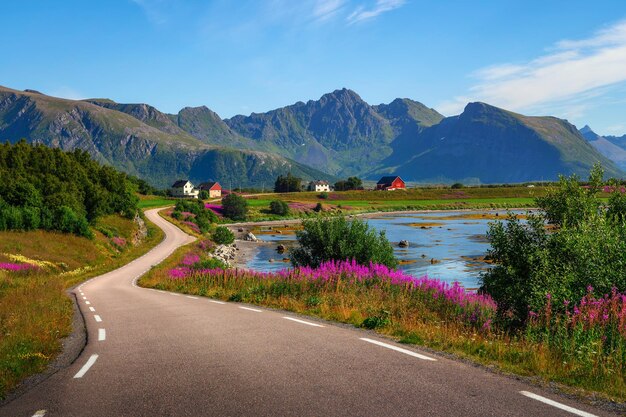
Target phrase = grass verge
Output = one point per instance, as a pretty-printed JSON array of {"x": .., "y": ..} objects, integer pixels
[
  {"x": 425, "y": 319},
  {"x": 35, "y": 311}
]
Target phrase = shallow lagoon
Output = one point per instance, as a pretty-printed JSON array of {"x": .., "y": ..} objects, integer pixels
[{"x": 444, "y": 245}]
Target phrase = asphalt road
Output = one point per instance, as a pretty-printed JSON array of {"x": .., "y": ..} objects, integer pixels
[{"x": 153, "y": 353}]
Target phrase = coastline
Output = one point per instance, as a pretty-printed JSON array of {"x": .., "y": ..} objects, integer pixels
[{"x": 247, "y": 250}]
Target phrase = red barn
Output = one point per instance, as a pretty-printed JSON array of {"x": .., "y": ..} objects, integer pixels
[{"x": 390, "y": 183}]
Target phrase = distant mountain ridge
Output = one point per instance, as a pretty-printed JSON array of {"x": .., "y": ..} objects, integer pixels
[
  {"x": 338, "y": 135},
  {"x": 613, "y": 147},
  {"x": 138, "y": 139}
]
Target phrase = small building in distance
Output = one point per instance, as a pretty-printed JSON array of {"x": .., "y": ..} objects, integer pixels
[
  {"x": 184, "y": 189},
  {"x": 319, "y": 186},
  {"x": 212, "y": 187},
  {"x": 390, "y": 183}
]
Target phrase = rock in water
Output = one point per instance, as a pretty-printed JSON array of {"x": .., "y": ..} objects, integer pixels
[
  {"x": 281, "y": 248},
  {"x": 403, "y": 243},
  {"x": 250, "y": 237}
]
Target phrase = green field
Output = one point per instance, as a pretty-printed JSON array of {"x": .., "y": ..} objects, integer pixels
[{"x": 148, "y": 202}]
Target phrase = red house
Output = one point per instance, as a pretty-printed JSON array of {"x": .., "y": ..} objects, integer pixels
[
  {"x": 214, "y": 188},
  {"x": 390, "y": 183}
]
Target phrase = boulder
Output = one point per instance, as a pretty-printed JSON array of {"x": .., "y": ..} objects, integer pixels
[
  {"x": 281, "y": 248},
  {"x": 250, "y": 237},
  {"x": 403, "y": 243}
]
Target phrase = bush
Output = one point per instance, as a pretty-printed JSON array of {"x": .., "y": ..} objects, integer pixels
[
  {"x": 456, "y": 185},
  {"x": 323, "y": 195},
  {"x": 585, "y": 249},
  {"x": 204, "y": 195},
  {"x": 337, "y": 239},
  {"x": 318, "y": 208},
  {"x": 279, "y": 207},
  {"x": 235, "y": 207},
  {"x": 223, "y": 236}
]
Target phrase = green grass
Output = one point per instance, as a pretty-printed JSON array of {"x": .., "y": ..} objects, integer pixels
[
  {"x": 35, "y": 311},
  {"x": 149, "y": 202}
]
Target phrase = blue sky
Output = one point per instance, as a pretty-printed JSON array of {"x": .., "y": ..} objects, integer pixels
[{"x": 561, "y": 58}]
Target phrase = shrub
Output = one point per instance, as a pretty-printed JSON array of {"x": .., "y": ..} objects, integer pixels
[
  {"x": 587, "y": 247},
  {"x": 204, "y": 195},
  {"x": 223, "y": 236},
  {"x": 338, "y": 239},
  {"x": 323, "y": 195},
  {"x": 318, "y": 207},
  {"x": 279, "y": 207},
  {"x": 456, "y": 185},
  {"x": 235, "y": 207}
]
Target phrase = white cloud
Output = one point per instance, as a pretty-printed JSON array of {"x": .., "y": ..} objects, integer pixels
[
  {"x": 363, "y": 13},
  {"x": 325, "y": 9},
  {"x": 575, "y": 68}
]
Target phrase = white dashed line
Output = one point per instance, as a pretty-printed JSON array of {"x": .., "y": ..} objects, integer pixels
[
  {"x": 251, "y": 309},
  {"x": 102, "y": 335},
  {"x": 84, "y": 298},
  {"x": 216, "y": 302},
  {"x": 398, "y": 349},
  {"x": 303, "y": 322},
  {"x": 87, "y": 302},
  {"x": 556, "y": 404},
  {"x": 86, "y": 366},
  {"x": 98, "y": 318},
  {"x": 173, "y": 293},
  {"x": 39, "y": 413},
  {"x": 92, "y": 309},
  {"x": 192, "y": 297}
]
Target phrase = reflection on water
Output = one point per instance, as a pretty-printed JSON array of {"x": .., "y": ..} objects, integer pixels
[{"x": 441, "y": 245}]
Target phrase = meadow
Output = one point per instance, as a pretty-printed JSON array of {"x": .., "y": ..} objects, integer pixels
[
  {"x": 302, "y": 204},
  {"x": 36, "y": 269}
]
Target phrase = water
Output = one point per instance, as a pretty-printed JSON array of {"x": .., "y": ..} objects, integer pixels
[{"x": 444, "y": 245}]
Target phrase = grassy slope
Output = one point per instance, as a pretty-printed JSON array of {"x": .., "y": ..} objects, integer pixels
[{"x": 35, "y": 311}]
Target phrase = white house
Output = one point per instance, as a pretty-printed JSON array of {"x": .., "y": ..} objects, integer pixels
[
  {"x": 319, "y": 186},
  {"x": 184, "y": 189}
]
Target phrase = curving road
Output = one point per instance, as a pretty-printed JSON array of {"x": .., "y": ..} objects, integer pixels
[{"x": 152, "y": 353}]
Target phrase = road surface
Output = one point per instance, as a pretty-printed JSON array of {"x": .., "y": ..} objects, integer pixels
[{"x": 153, "y": 353}]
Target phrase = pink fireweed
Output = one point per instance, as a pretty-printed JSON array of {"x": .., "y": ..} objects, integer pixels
[
  {"x": 451, "y": 301},
  {"x": 120, "y": 242},
  {"x": 13, "y": 267},
  {"x": 192, "y": 225},
  {"x": 215, "y": 208},
  {"x": 190, "y": 259}
]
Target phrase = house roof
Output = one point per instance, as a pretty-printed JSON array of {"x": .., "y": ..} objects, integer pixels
[
  {"x": 180, "y": 183},
  {"x": 319, "y": 182},
  {"x": 209, "y": 185},
  {"x": 387, "y": 180}
]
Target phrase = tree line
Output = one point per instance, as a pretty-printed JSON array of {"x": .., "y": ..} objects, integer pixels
[{"x": 45, "y": 188}]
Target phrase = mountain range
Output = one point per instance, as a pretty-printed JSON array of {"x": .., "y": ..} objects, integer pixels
[
  {"x": 613, "y": 147},
  {"x": 338, "y": 135}
]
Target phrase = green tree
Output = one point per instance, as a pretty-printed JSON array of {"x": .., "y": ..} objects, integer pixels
[
  {"x": 352, "y": 183},
  {"x": 279, "y": 207},
  {"x": 287, "y": 184},
  {"x": 585, "y": 248},
  {"x": 235, "y": 207},
  {"x": 336, "y": 238},
  {"x": 223, "y": 236}
]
